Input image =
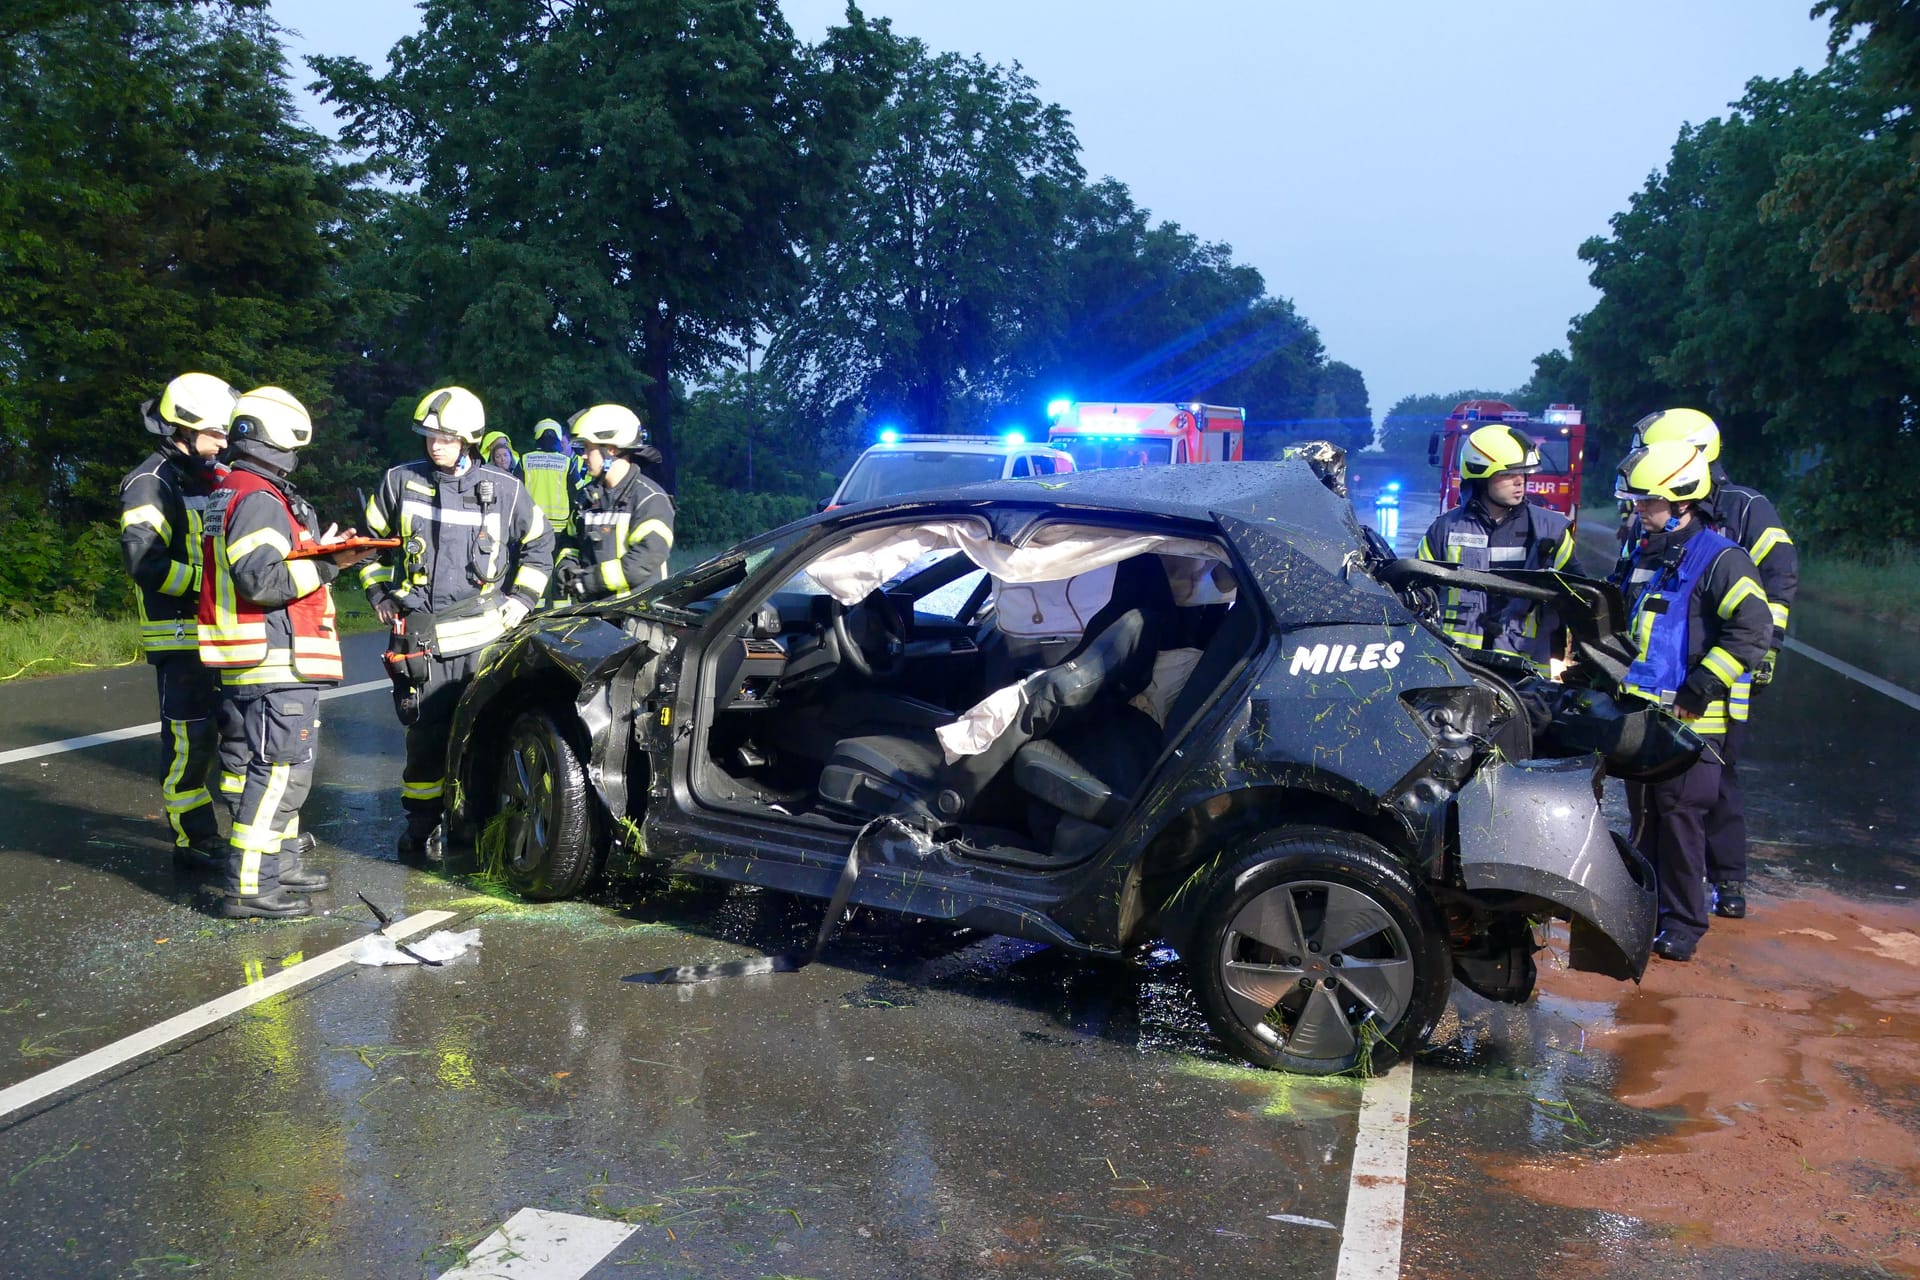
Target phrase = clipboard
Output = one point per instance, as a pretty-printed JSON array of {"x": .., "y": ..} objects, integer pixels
[{"x": 342, "y": 544}]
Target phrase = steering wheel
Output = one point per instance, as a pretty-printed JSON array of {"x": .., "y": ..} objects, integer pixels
[{"x": 881, "y": 616}]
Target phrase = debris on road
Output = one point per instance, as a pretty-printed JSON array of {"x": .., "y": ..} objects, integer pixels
[{"x": 435, "y": 949}]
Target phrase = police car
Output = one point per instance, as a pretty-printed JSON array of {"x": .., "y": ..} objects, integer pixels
[{"x": 907, "y": 463}]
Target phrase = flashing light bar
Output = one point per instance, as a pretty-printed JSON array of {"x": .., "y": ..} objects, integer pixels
[
  {"x": 1059, "y": 408},
  {"x": 1015, "y": 436},
  {"x": 889, "y": 435}
]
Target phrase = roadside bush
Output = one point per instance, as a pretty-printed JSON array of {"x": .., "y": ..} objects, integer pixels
[
  {"x": 706, "y": 514},
  {"x": 53, "y": 568}
]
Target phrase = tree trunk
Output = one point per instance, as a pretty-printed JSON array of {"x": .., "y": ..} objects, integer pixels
[{"x": 656, "y": 361}]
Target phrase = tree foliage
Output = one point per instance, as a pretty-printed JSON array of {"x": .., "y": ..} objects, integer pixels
[
  {"x": 160, "y": 210},
  {"x": 608, "y": 193}
]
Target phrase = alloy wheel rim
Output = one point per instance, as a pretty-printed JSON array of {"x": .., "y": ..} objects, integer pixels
[
  {"x": 1314, "y": 968},
  {"x": 526, "y": 797}
]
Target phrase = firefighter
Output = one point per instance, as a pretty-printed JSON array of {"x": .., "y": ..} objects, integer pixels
[
  {"x": 626, "y": 520},
  {"x": 496, "y": 448},
  {"x": 1700, "y": 623},
  {"x": 1495, "y": 527},
  {"x": 1750, "y": 519},
  {"x": 162, "y": 504},
  {"x": 475, "y": 554},
  {"x": 548, "y": 470},
  {"x": 266, "y": 623}
]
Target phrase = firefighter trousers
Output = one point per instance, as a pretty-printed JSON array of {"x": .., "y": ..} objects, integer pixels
[
  {"x": 279, "y": 727},
  {"x": 1727, "y": 820},
  {"x": 189, "y": 709},
  {"x": 423, "y": 780},
  {"x": 1670, "y": 827}
]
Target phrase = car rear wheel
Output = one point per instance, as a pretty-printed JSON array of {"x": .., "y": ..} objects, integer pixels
[
  {"x": 542, "y": 814},
  {"x": 1314, "y": 952}
]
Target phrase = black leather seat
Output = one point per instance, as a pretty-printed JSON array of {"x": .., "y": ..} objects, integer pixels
[
  {"x": 1087, "y": 775},
  {"x": 904, "y": 772}
]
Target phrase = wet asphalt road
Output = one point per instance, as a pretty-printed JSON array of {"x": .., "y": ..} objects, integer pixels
[{"x": 923, "y": 1102}]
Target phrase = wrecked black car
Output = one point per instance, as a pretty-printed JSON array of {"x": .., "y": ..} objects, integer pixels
[{"x": 1197, "y": 703}]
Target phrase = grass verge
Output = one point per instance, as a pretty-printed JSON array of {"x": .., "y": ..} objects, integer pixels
[{"x": 47, "y": 644}]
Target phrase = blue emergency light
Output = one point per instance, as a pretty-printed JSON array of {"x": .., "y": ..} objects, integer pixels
[
  {"x": 889, "y": 435},
  {"x": 1015, "y": 437},
  {"x": 1059, "y": 408}
]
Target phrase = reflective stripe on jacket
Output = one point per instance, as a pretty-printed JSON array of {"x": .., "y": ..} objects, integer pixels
[
  {"x": 1533, "y": 537},
  {"x": 264, "y": 618},
  {"x": 626, "y": 533},
  {"x": 1750, "y": 519},
  {"x": 162, "y": 506},
  {"x": 1699, "y": 622}
]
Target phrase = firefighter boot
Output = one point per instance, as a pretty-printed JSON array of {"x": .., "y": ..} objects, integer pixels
[
  {"x": 1730, "y": 899},
  {"x": 418, "y": 845},
  {"x": 197, "y": 860},
  {"x": 278, "y": 905},
  {"x": 301, "y": 879}
]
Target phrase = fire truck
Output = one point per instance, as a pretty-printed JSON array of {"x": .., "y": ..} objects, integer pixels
[
  {"x": 1146, "y": 435},
  {"x": 1560, "y": 433}
]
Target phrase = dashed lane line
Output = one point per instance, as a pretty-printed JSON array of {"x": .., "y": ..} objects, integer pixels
[
  {"x": 1902, "y": 696},
  {"x": 80, "y": 1070},
  {"x": 539, "y": 1244},
  {"x": 81, "y": 743},
  {"x": 1377, "y": 1188}
]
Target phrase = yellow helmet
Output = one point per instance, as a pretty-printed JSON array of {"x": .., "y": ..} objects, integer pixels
[
  {"x": 611, "y": 426},
  {"x": 272, "y": 416},
  {"x": 451, "y": 411},
  {"x": 1687, "y": 425},
  {"x": 1670, "y": 469},
  {"x": 1496, "y": 449},
  {"x": 196, "y": 401},
  {"x": 548, "y": 427}
]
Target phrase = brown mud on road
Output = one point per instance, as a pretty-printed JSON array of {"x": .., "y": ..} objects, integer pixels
[{"x": 1790, "y": 1050}]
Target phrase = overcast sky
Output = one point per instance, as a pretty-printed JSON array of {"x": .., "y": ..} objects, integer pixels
[{"x": 1415, "y": 175}]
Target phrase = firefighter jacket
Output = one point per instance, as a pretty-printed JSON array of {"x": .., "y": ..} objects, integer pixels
[
  {"x": 163, "y": 504},
  {"x": 468, "y": 542},
  {"x": 1528, "y": 537},
  {"x": 1750, "y": 519},
  {"x": 549, "y": 480},
  {"x": 266, "y": 618},
  {"x": 1699, "y": 623},
  {"x": 626, "y": 533}
]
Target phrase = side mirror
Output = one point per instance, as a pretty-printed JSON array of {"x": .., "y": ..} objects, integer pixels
[
  {"x": 823, "y": 504},
  {"x": 1433, "y": 449}
]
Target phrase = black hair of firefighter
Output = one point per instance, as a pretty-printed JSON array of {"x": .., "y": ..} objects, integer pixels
[
  {"x": 399, "y": 946},
  {"x": 786, "y": 961}
]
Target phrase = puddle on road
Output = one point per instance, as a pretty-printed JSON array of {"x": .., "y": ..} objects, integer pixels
[{"x": 1791, "y": 1048}]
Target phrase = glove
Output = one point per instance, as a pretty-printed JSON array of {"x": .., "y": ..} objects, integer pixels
[
  {"x": 573, "y": 579},
  {"x": 386, "y": 610},
  {"x": 1763, "y": 674},
  {"x": 514, "y": 611}
]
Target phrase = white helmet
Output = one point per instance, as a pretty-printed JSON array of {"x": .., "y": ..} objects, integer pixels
[
  {"x": 451, "y": 411},
  {"x": 611, "y": 426},
  {"x": 196, "y": 401},
  {"x": 273, "y": 417}
]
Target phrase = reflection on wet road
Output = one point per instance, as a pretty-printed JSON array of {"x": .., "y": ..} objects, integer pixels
[{"x": 925, "y": 1101}]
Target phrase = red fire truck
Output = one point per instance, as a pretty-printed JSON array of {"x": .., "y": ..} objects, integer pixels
[
  {"x": 1146, "y": 435},
  {"x": 1560, "y": 433}
]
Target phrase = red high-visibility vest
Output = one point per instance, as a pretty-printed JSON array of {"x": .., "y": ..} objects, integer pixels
[{"x": 233, "y": 629}]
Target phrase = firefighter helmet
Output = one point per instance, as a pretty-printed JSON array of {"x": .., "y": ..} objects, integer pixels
[
  {"x": 273, "y": 417},
  {"x": 1670, "y": 469},
  {"x": 1498, "y": 450},
  {"x": 1689, "y": 425},
  {"x": 548, "y": 427},
  {"x": 451, "y": 411},
  {"x": 611, "y": 426},
  {"x": 196, "y": 401}
]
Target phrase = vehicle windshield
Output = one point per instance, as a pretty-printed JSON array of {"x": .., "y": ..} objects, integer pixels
[
  {"x": 883, "y": 474},
  {"x": 1553, "y": 457},
  {"x": 697, "y": 590},
  {"x": 1090, "y": 453}
]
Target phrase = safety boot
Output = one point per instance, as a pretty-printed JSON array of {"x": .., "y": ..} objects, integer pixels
[
  {"x": 303, "y": 879},
  {"x": 198, "y": 860},
  {"x": 1669, "y": 947},
  {"x": 307, "y": 844},
  {"x": 1730, "y": 899},
  {"x": 278, "y": 905},
  {"x": 416, "y": 848}
]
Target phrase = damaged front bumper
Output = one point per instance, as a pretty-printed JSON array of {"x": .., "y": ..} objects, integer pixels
[{"x": 1532, "y": 838}]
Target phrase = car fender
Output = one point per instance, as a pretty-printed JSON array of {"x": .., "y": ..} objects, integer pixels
[{"x": 1533, "y": 838}]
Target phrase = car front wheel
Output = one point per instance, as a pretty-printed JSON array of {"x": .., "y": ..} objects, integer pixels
[
  {"x": 1313, "y": 951},
  {"x": 540, "y": 837}
]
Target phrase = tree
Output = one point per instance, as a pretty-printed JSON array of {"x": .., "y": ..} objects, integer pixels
[
  {"x": 940, "y": 297},
  {"x": 608, "y": 193},
  {"x": 160, "y": 210},
  {"x": 1556, "y": 380},
  {"x": 1407, "y": 426},
  {"x": 1859, "y": 195},
  {"x": 1340, "y": 407}
]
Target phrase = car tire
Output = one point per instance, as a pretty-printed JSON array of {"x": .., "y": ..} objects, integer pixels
[
  {"x": 1282, "y": 989},
  {"x": 540, "y": 794}
]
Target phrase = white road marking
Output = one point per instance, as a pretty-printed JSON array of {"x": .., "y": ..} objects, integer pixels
[
  {"x": 1851, "y": 672},
  {"x": 538, "y": 1244},
  {"x": 81, "y": 1069},
  {"x": 81, "y": 743},
  {"x": 1377, "y": 1188}
]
